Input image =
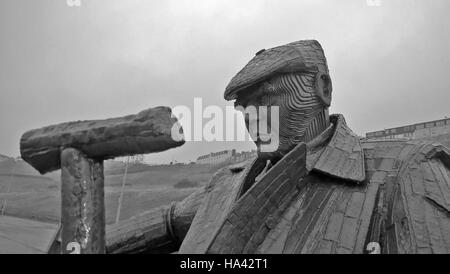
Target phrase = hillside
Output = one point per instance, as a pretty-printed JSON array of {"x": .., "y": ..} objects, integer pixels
[
  {"x": 4, "y": 158},
  {"x": 28, "y": 194}
]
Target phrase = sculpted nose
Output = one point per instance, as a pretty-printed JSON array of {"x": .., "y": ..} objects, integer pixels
[{"x": 251, "y": 119}]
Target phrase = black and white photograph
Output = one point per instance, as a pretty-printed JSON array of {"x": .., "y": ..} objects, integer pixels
[{"x": 199, "y": 127}]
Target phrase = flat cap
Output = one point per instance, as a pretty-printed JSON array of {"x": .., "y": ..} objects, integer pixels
[{"x": 300, "y": 56}]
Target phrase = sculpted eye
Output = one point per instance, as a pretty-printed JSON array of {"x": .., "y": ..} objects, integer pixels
[
  {"x": 240, "y": 103},
  {"x": 267, "y": 87}
]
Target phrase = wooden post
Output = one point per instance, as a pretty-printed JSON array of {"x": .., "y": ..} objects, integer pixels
[
  {"x": 83, "y": 207},
  {"x": 82, "y": 204}
]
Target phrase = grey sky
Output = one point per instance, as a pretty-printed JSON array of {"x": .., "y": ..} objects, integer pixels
[{"x": 108, "y": 58}]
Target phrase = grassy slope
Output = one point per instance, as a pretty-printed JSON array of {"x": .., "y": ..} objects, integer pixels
[{"x": 35, "y": 196}]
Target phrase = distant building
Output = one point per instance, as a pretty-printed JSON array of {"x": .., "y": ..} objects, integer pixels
[
  {"x": 4, "y": 158},
  {"x": 220, "y": 157},
  {"x": 136, "y": 159},
  {"x": 215, "y": 158},
  {"x": 416, "y": 131},
  {"x": 244, "y": 155}
]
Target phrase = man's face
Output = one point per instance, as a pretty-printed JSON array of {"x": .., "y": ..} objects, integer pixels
[
  {"x": 285, "y": 105},
  {"x": 261, "y": 112}
]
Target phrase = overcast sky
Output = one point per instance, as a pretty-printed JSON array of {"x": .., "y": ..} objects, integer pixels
[{"x": 107, "y": 58}]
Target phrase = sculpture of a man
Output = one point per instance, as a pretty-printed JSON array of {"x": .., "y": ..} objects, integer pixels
[{"x": 324, "y": 190}]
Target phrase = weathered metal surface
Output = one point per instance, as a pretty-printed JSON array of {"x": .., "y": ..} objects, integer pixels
[
  {"x": 54, "y": 246},
  {"x": 221, "y": 195},
  {"x": 325, "y": 217},
  {"x": 262, "y": 206},
  {"x": 144, "y": 232},
  {"x": 403, "y": 204},
  {"x": 300, "y": 56},
  {"x": 83, "y": 203},
  {"x": 343, "y": 156},
  {"x": 157, "y": 231},
  {"x": 146, "y": 132},
  {"x": 411, "y": 216},
  {"x": 321, "y": 198}
]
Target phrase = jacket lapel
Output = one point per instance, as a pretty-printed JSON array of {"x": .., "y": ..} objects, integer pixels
[
  {"x": 343, "y": 156},
  {"x": 260, "y": 208},
  {"x": 222, "y": 194}
]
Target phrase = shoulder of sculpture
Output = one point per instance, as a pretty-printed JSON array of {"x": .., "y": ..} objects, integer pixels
[
  {"x": 423, "y": 153},
  {"x": 424, "y": 181},
  {"x": 370, "y": 143},
  {"x": 432, "y": 167},
  {"x": 414, "y": 161},
  {"x": 416, "y": 172},
  {"x": 434, "y": 150},
  {"x": 405, "y": 153},
  {"x": 398, "y": 154},
  {"x": 398, "y": 149},
  {"x": 424, "y": 150}
]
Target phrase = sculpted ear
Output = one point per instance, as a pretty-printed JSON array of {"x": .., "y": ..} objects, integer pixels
[{"x": 324, "y": 88}]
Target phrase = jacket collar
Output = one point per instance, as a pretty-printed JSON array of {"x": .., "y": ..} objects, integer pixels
[{"x": 342, "y": 157}]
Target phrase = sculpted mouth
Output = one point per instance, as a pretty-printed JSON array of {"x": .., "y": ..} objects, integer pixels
[
  {"x": 266, "y": 141},
  {"x": 264, "y": 138}
]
